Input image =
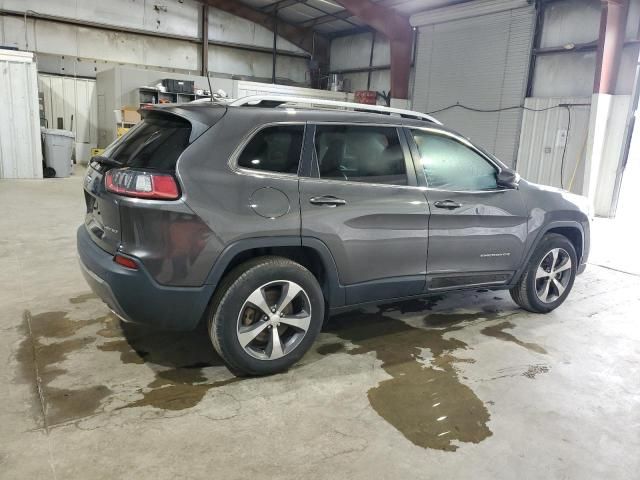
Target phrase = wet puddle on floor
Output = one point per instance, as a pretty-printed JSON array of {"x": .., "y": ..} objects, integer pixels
[
  {"x": 498, "y": 331},
  {"x": 179, "y": 363},
  {"x": 425, "y": 399},
  {"x": 40, "y": 360}
]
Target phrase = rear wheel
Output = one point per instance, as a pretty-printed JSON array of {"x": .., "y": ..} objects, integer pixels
[
  {"x": 549, "y": 276},
  {"x": 265, "y": 315}
]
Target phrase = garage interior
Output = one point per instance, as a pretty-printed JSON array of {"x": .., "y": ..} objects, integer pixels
[{"x": 462, "y": 385}]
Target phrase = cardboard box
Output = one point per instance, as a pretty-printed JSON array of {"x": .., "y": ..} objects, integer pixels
[
  {"x": 366, "y": 96},
  {"x": 129, "y": 115}
]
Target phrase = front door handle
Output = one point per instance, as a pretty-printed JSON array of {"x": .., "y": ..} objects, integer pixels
[
  {"x": 327, "y": 201},
  {"x": 448, "y": 204}
]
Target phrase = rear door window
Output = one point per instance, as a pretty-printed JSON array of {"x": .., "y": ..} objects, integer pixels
[
  {"x": 274, "y": 149},
  {"x": 360, "y": 154},
  {"x": 154, "y": 144}
]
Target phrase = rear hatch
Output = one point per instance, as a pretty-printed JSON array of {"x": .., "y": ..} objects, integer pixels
[{"x": 153, "y": 145}]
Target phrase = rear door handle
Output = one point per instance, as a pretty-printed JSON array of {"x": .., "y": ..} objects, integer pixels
[
  {"x": 327, "y": 201},
  {"x": 448, "y": 204}
]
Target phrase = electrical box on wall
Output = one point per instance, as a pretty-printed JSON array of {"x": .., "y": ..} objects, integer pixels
[{"x": 561, "y": 138}]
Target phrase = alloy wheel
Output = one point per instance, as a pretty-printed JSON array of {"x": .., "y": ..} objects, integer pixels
[
  {"x": 553, "y": 275},
  {"x": 274, "y": 319}
]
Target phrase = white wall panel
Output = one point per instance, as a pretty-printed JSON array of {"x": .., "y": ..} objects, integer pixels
[
  {"x": 20, "y": 148},
  {"x": 176, "y": 17},
  {"x": 66, "y": 46},
  {"x": 565, "y": 74},
  {"x": 256, "y": 64},
  {"x": 570, "y": 21},
  {"x": 541, "y": 145},
  {"x": 480, "y": 62},
  {"x": 354, "y": 51},
  {"x": 226, "y": 27}
]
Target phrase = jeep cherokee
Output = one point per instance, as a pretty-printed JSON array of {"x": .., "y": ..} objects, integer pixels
[{"x": 261, "y": 217}]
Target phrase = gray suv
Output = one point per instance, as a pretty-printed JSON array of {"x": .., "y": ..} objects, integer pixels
[{"x": 261, "y": 217}]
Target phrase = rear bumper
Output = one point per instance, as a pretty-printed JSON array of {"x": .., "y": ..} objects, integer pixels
[{"x": 135, "y": 296}]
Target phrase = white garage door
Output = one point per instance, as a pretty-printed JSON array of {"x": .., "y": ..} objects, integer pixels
[{"x": 476, "y": 55}]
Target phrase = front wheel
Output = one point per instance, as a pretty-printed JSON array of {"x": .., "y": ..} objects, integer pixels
[
  {"x": 549, "y": 276},
  {"x": 265, "y": 315}
]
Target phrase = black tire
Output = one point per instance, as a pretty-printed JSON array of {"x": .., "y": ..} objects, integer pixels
[
  {"x": 525, "y": 293},
  {"x": 229, "y": 302}
]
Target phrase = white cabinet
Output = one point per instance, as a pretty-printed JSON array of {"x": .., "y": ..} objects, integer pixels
[{"x": 20, "y": 144}]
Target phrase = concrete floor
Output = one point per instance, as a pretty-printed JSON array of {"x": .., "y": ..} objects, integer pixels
[{"x": 464, "y": 386}]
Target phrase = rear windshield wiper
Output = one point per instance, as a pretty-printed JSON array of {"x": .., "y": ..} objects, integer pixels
[{"x": 106, "y": 161}]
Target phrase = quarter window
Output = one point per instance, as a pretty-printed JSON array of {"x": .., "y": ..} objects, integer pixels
[
  {"x": 360, "y": 154},
  {"x": 274, "y": 149},
  {"x": 451, "y": 165}
]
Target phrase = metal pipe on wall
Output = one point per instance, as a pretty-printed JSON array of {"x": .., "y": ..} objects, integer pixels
[
  {"x": 369, "y": 71},
  {"x": 275, "y": 45},
  {"x": 204, "y": 59}
]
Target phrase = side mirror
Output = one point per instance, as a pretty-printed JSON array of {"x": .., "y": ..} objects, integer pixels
[{"x": 508, "y": 179}]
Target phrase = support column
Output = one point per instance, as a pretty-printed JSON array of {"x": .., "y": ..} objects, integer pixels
[
  {"x": 613, "y": 22},
  {"x": 397, "y": 29},
  {"x": 608, "y": 110}
]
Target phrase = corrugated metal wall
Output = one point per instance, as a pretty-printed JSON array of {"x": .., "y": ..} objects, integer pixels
[
  {"x": 75, "y": 50},
  {"x": 480, "y": 62},
  {"x": 20, "y": 148},
  {"x": 542, "y": 142}
]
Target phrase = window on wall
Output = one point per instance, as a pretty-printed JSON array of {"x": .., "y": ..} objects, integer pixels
[
  {"x": 360, "y": 154},
  {"x": 274, "y": 149},
  {"x": 450, "y": 165}
]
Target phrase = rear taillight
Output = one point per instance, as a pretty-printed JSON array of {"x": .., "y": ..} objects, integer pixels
[{"x": 139, "y": 184}]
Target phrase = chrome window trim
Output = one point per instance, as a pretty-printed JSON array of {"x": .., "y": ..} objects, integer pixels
[
  {"x": 233, "y": 159},
  {"x": 467, "y": 143},
  {"x": 352, "y": 182}
]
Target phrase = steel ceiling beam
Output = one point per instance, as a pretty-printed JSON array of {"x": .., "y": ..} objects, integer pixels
[
  {"x": 335, "y": 16},
  {"x": 279, "y": 5},
  {"x": 397, "y": 29},
  {"x": 302, "y": 37},
  {"x": 328, "y": 17}
]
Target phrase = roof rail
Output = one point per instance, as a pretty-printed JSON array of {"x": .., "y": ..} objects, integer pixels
[{"x": 277, "y": 100}]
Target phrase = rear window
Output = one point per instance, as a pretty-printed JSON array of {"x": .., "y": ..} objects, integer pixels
[{"x": 155, "y": 143}]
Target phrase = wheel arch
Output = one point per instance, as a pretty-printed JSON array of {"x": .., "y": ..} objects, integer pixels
[
  {"x": 573, "y": 233},
  {"x": 310, "y": 252},
  {"x": 572, "y": 230}
]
